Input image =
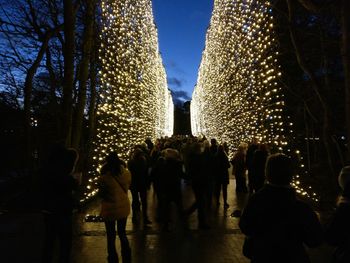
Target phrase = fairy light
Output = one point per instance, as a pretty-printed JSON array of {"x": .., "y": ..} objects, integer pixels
[
  {"x": 135, "y": 102},
  {"x": 238, "y": 95}
]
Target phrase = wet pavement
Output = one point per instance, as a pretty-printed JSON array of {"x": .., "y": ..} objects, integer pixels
[{"x": 21, "y": 236}]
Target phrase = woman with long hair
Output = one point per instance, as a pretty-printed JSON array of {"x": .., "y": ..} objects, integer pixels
[{"x": 115, "y": 206}]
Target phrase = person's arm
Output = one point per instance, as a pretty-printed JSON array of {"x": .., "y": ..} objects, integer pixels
[
  {"x": 248, "y": 217},
  {"x": 335, "y": 229},
  {"x": 313, "y": 235}
]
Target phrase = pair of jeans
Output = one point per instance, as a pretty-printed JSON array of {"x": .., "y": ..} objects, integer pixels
[{"x": 111, "y": 236}]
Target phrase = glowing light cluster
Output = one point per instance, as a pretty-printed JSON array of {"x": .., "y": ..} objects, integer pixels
[
  {"x": 237, "y": 96},
  {"x": 135, "y": 102}
]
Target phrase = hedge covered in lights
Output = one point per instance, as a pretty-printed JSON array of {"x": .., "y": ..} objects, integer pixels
[
  {"x": 238, "y": 94},
  {"x": 135, "y": 102}
]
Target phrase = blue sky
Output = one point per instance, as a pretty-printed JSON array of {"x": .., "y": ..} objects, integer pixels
[{"x": 182, "y": 25}]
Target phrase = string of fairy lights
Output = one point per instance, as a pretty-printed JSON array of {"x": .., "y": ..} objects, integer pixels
[
  {"x": 238, "y": 96},
  {"x": 135, "y": 102}
]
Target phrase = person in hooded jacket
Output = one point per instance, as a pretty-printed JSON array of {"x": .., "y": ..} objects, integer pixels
[
  {"x": 58, "y": 186},
  {"x": 338, "y": 229},
  {"x": 115, "y": 206},
  {"x": 276, "y": 224},
  {"x": 170, "y": 185},
  {"x": 222, "y": 176}
]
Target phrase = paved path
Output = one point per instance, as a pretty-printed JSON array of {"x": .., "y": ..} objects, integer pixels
[{"x": 21, "y": 237}]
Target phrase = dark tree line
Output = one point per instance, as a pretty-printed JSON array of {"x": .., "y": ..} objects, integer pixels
[
  {"x": 48, "y": 67},
  {"x": 313, "y": 36}
]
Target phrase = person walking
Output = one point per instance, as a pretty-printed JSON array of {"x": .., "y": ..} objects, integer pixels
[
  {"x": 277, "y": 225},
  {"x": 258, "y": 167},
  {"x": 140, "y": 181},
  {"x": 239, "y": 169},
  {"x": 253, "y": 146},
  {"x": 58, "y": 202},
  {"x": 200, "y": 184},
  {"x": 115, "y": 206},
  {"x": 338, "y": 229},
  {"x": 222, "y": 177}
]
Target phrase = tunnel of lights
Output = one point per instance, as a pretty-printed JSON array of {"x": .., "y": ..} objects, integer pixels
[{"x": 238, "y": 94}]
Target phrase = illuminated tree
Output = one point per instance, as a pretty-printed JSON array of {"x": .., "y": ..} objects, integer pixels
[
  {"x": 135, "y": 101},
  {"x": 238, "y": 96}
]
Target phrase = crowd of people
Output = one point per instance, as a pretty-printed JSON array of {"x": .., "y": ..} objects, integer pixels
[{"x": 277, "y": 225}]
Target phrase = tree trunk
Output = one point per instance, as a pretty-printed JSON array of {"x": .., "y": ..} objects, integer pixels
[
  {"x": 345, "y": 9},
  {"x": 68, "y": 80},
  {"x": 83, "y": 72},
  {"x": 28, "y": 87},
  {"x": 92, "y": 105},
  {"x": 326, "y": 177},
  {"x": 53, "y": 80}
]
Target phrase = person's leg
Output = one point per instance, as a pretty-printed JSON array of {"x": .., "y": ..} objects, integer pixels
[
  {"x": 217, "y": 192},
  {"x": 111, "y": 235},
  {"x": 135, "y": 205},
  {"x": 143, "y": 195},
  {"x": 124, "y": 242},
  {"x": 65, "y": 237},
  {"x": 224, "y": 193},
  {"x": 49, "y": 239}
]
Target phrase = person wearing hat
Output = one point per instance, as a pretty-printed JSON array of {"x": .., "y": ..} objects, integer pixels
[
  {"x": 277, "y": 225},
  {"x": 338, "y": 230}
]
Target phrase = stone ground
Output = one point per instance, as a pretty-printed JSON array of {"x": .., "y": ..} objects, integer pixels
[{"x": 21, "y": 235}]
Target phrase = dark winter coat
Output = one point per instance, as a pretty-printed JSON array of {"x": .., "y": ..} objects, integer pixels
[
  {"x": 338, "y": 230},
  {"x": 278, "y": 225},
  {"x": 258, "y": 168},
  {"x": 222, "y": 165},
  {"x": 239, "y": 165},
  {"x": 138, "y": 167}
]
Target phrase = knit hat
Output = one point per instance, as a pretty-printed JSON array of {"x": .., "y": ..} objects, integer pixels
[{"x": 344, "y": 177}]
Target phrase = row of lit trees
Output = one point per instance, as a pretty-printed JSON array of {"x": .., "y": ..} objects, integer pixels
[
  {"x": 135, "y": 101},
  {"x": 238, "y": 96}
]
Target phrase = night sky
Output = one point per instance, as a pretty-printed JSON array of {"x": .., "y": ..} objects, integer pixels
[{"x": 182, "y": 25}]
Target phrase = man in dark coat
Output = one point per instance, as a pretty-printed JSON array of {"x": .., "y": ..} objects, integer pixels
[
  {"x": 276, "y": 223},
  {"x": 249, "y": 162},
  {"x": 338, "y": 229}
]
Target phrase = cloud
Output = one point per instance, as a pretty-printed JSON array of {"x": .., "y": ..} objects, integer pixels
[
  {"x": 175, "y": 82},
  {"x": 179, "y": 97},
  {"x": 172, "y": 65}
]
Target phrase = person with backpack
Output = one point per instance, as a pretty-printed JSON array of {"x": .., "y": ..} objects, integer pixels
[
  {"x": 277, "y": 225},
  {"x": 115, "y": 206}
]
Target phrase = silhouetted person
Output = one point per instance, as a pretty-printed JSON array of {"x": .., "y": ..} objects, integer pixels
[
  {"x": 239, "y": 169},
  {"x": 138, "y": 167},
  {"x": 115, "y": 206},
  {"x": 200, "y": 185},
  {"x": 222, "y": 177},
  {"x": 253, "y": 146},
  {"x": 276, "y": 223},
  {"x": 338, "y": 230},
  {"x": 258, "y": 167},
  {"x": 170, "y": 185},
  {"x": 58, "y": 186},
  {"x": 213, "y": 147}
]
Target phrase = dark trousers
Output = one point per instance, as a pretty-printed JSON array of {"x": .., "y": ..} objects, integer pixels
[
  {"x": 241, "y": 185},
  {"x": 58, "y": 227},
  {"x": 218, "y": 187},
  {"x": 201, "y": 203},
  {"x": 165, "y": 205},
  {"x": 135, "y": 205},
  {"x": 111, "y": 236}
]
